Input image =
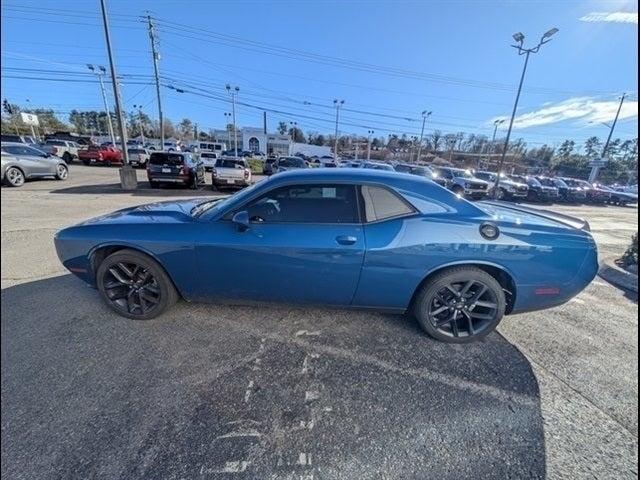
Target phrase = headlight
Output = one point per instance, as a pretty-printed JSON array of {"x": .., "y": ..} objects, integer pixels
[{"x": 510, "y": 188}]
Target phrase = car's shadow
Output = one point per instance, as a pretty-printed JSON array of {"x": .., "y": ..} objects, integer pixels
[{"x": 254, "y": 392}]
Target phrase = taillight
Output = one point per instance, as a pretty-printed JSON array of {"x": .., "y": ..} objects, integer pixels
[
  {"x": 247, "y": 172},
  {"x": 184, "y": 170},
  {"x": 100, "y": 155},
  {"x": 54, "y": 150}
]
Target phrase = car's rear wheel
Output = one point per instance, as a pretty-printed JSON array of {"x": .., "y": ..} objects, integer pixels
[
  {"x": 460, "y": 305},
  {"x": 14, "y": 177},
  {"x": 134, "y": 285},
  {"x": 67, "y": 157},
  {"x": 62, "y": 172}
]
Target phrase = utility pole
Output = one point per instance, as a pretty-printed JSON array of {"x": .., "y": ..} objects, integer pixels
[
  {"x": 156, "y": 57},
  {"x": 519, "y": 38},
  {"x": 596, "y": 168},
  {"x": 496, "y": 123},
  {"x": 128, "y": 179},
  {"x": 338, "y": 104},
  {"x": 369, "y": 133},
  {"x": 100, "y": 70},
  {"x": 233, "y": 93},
  {"x": 425, "y": 114}
]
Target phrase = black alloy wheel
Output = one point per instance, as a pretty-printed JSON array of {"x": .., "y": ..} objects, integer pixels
[
  {"x": 460, "y": 305},
  {"x": 134, "y": 285}
]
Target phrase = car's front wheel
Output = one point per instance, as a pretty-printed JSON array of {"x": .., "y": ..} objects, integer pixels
[
  {"x": 62, "y": 172},
  {"x": 134, "y": 285},
  {"x": 460, "y": 305},
  {"x": 14, "y": 177}
]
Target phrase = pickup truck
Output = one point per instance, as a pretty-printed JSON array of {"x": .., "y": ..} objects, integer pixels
[
  {"x": 100, "y": 155},
  {"x": 231, "y": 172},
  {"x": 65, "y": 149},
  {"x": 463, "y": 183}
]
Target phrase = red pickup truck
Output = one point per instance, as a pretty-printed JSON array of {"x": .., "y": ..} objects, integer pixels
[{"x": 100, "y": 155}]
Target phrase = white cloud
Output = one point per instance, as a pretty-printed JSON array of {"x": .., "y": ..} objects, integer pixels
[
  {"x": 615, "y": 17},
  {"x": 582, "y": 109}
]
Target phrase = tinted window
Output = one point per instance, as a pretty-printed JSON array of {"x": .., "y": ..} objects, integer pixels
[
  {"x": 166, "y": 159},
  {"x": 226, "y": 163},
  {"x": 11, "y": 138},
  {"x": 56, "y": 142},
  {"x": 136, "y": 150},
  {"x": 208, "y": 155},
  {"x": 380, "y": 203},
  {"x": 307, "y": 204},
  {"x": 403, "y": 168},
  {"x": 291, "y": 162},
  {"x": 18, "y": 150},
  {"x": 463, "y": 173}
]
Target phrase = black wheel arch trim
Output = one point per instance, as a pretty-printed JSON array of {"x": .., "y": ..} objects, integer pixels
[
  {"x": 98, "y": 253},
  {"x": 502, "y": 275}
]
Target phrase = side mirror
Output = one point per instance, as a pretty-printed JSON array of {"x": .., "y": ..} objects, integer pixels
[{"x": 241, "y": 219}]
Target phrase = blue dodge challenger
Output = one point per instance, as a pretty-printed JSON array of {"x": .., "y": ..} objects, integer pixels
[{"x": 342, "y": 237}]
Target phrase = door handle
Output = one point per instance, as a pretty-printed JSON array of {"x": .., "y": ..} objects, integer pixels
[{"x": 346, "y": 240}]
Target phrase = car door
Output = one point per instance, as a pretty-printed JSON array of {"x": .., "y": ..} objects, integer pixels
[
  {"x": 304, "y": 244},
  {"x": 33, "y": 162}
]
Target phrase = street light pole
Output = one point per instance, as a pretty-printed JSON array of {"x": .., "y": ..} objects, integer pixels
[
  {"x": 369, "y": 132},
  {"x": 233, "y": 93},
  {"x": 99, "y": 73},
  {"x": 294, "y": 126},
  {"x": 128, "y": 179},
  {"x": 519, "y": 38},
  {"x": 425, "y": 114},
  {"x": 338, "y": 104},
  {"x": 496, "y": 123},
  {"x": 227, "y": 117},
  {"x": 596, "y": 169}
]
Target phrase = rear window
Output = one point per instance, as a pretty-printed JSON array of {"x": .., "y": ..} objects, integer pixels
[
  {"x": 136, "y": 150},
  {"x": 291, "y": 162},
  {"x": 56, "y": 142},
  {"x": 93, "y": 148},
  {"x": 226, "y": 163},
  {"x": 166, "y": 159},
  {"x": 208, "y": 155},
  {"x": 380, "y": 204}
]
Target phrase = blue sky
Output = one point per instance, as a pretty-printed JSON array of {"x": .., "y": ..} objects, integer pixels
[{"x": 389, "y": 60}]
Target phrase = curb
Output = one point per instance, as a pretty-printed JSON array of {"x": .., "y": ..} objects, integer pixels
[{"x": 610, "y": 272}]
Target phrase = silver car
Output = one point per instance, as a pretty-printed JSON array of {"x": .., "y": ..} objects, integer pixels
[{"x": 21, "y": 162}]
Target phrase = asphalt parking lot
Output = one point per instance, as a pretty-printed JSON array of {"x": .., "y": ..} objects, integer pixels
[{"x": 295, "y": 393}]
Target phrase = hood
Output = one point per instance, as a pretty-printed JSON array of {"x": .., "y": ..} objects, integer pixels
[
  {"x": 173, "y": 211},
  {"x": 473, "y": 180}
]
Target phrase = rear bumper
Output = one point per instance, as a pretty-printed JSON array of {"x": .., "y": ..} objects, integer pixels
[
  {"x": 231, "y": 182},
  {"x": 169, "y": 178}
]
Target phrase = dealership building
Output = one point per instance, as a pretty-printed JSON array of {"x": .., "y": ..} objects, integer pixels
[{"x": 255, "y": 140}]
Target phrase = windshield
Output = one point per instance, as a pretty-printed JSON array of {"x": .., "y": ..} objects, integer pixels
[
  {"x": 547, "y": 182},
  {"x": 208, "y": 155},
  {"x": 423, "y": 171},
  {"x": 533, "y": 181},
  {"x": 463, "y": 173},
  {"x": 214, "y": 205},
  {"x": 559, "y": 183},
  {"x": 135, "y": 150}
]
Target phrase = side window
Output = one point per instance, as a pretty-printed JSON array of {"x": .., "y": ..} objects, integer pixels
[
  {"x": 306, "y": 204},
  {"x": 380, "y": 204}
]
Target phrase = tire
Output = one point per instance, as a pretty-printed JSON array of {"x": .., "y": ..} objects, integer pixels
[
  {"x": 154, "y": 184},
  {"x": 86, "y": 162},
  {"x": 62, "y": 172},
  {"x": 193, "y": 184},
  {"x": 134, "y": 285},
  {"x": 436, "y": 307},
  {"x": 67, "y": 157},
  {"x": 14, "y": 177}
]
